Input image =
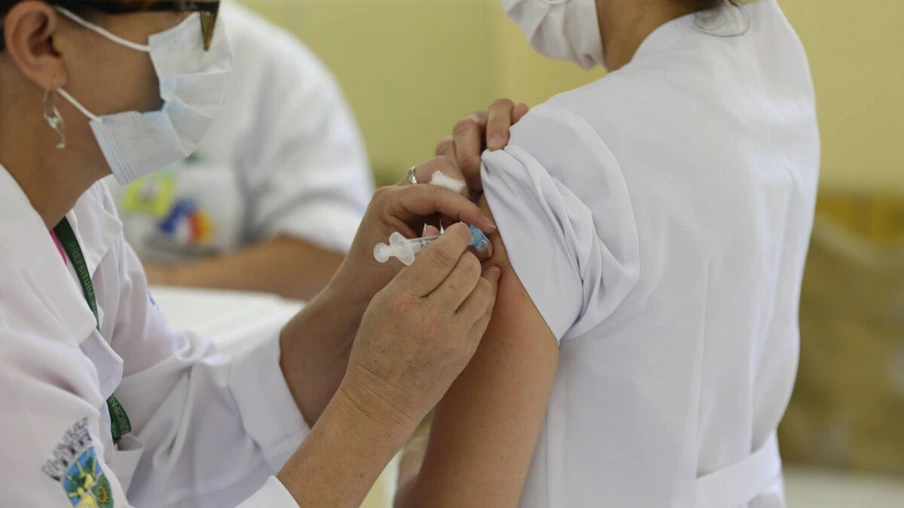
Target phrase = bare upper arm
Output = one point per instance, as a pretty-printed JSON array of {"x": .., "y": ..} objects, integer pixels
[{"x": 486, "y": 428}]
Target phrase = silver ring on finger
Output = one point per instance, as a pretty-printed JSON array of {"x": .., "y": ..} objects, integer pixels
[{"x": 412, "y": 177}]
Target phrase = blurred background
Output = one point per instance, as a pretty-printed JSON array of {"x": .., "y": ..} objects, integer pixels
[{"x": 412, "y": 68}]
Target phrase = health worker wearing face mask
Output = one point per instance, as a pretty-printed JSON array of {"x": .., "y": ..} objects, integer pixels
[
  {"x": 101, "y": 403},
  {"x": 653, "y": 227}
]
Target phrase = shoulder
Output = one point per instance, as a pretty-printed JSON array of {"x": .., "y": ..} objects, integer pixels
[
  {"x": 594, "y": 120},
  {"x": 21, "y": 247},
  {"x": 561, "y": 146},
  {"x": 560, "y": 182},
  {"x": 632, "y": 103},
  {"x": 33, "y": 302}
]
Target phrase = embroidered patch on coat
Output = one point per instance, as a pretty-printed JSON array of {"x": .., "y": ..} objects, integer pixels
[{"x": 76, "y": 467}]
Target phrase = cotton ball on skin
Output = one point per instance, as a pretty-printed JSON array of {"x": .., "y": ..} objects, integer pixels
[{"x": 441, "y": 180}]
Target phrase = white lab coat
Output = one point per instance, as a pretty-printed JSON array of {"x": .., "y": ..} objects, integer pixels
[
  {"x": 659, "y": 218},
  {"x": 207, "y": 430},
  {"x": 283, "y": 158}
]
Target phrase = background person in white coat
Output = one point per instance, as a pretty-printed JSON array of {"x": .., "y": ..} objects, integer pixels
[
  {"x": 101, "y": 403},
  {"x": 272, "y": 198},
  {"x": 653, "y": 230}
]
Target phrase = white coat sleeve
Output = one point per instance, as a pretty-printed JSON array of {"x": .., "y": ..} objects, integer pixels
[
  {"x": 307, "y": 167},
  {"x": 214, "y": 428},
  {"x": 565, "y": 216}
]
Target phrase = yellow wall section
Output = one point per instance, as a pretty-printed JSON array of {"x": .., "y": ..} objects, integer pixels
[
  {"x": 856, "y": 50},
  {"x": 411, "y": 68}
]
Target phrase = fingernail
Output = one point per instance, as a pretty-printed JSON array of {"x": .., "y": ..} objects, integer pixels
[
  {"x": 495, "y": 273},
  {"x": 490, "y": 223},
  {"x": 424, "y": 232},
  {"x": 496, "y": 142}
]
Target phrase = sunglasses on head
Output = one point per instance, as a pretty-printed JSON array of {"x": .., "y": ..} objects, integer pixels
[{"x": 207, "y": 8}]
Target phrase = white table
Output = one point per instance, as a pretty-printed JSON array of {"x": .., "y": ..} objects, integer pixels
[
  {"x": 232, "y": 319},
  {"x": 235, "y": 321}
]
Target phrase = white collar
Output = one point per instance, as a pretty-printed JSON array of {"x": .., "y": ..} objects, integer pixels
[
  {"x": 96, "y": 226},
  {"x": 727, "y": 21},
  {"x": 93, "y": 218}
]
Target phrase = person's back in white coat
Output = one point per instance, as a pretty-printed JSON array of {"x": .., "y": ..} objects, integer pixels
[{"x": 656, "y": 224}]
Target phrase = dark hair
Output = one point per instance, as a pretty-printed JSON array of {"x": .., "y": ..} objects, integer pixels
[
  {"x": 709, "y": 15},
  {"x": 703, "y": 5},
  {"x": 706, "y": 5},
  {"x": 73, "y": 5},
  {"x": 88, "y": 8}
]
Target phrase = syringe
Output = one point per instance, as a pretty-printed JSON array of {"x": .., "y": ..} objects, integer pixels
[{"x": 406, "y": 249}]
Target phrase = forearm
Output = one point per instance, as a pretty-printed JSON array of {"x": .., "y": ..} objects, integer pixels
[
  {"x": 285, "y": 266},
  {"x": 338, "y": 463},
  {"x": 315, "y": 347}
]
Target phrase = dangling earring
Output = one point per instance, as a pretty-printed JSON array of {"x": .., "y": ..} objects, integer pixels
[{"x": 53, "y": 117}]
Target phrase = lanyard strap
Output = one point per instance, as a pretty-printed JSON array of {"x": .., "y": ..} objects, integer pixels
[{"x": 119, "y": 420}]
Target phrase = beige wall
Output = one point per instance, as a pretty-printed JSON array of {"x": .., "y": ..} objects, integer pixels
[
  {"x": 856, "y": 50},
  {"x": 411, "y": 68}
]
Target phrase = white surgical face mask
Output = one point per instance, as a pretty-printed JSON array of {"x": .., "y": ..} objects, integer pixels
[
  {"x": 192, "y": 85},
  {"x": 560, "y": 29}
]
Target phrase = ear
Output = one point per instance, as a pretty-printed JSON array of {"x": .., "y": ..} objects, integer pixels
[{"x": 29, "y": 31}]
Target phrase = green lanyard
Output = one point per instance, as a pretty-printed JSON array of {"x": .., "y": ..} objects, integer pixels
[{"x": 119, "y": 420}]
